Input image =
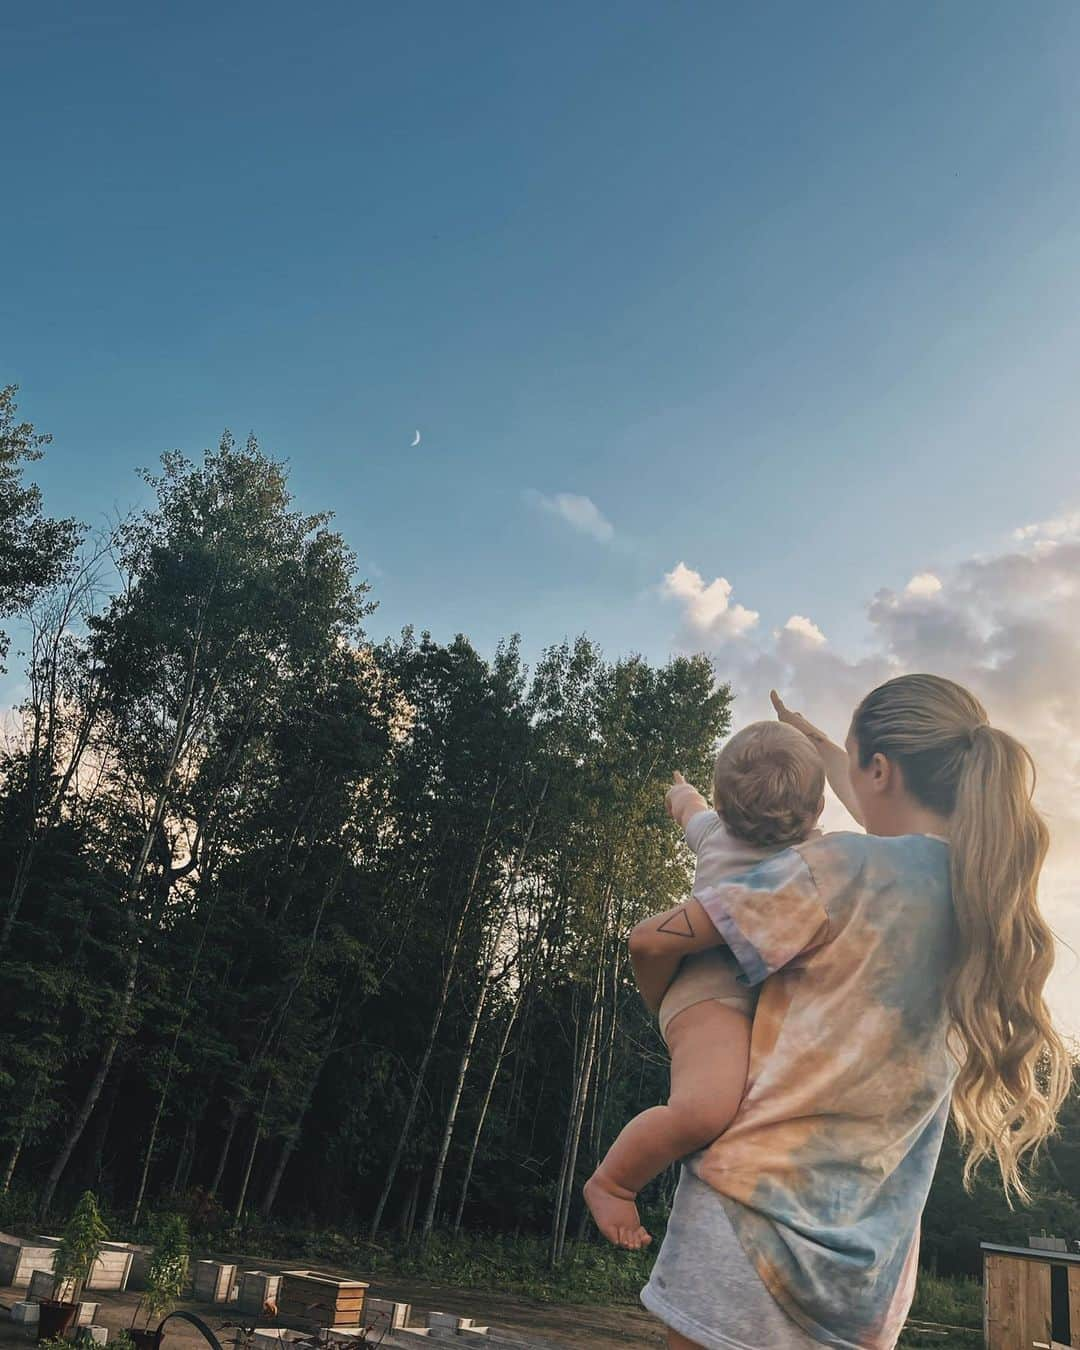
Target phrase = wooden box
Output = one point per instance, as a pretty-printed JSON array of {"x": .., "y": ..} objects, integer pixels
[
  {"x": 20, "y": 1257},
  {"x": 313, "y": 1299},
  {"x": 43, "y": 1286},
  {"x": 257, "y": 1288},
  {"x": 213, "y": 1281},
  {"x": 111, "y": 1269}
]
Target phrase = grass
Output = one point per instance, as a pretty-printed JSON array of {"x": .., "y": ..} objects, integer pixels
[
  {"x": 589, "y": 1273},
  {"x": 948, "y": 1302}
]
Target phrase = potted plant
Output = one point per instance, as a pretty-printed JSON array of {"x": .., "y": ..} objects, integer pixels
[
  {"x": 80, "y": 1246},
  {"x": 165, "y": 1276}
]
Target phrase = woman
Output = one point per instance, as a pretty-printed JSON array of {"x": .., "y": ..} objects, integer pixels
[{"x": 902, "y": 975}]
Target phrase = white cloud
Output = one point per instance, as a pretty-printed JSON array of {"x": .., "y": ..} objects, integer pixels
[
  {"x": 1006, "y": 625},
  {"x": 707, "y": 608},
  {"x": 924, "y": 585},
  {"x": 1059, "y": 528},
  {"x": 805, "y": 629},
  {"x": 580, "y": 513}
]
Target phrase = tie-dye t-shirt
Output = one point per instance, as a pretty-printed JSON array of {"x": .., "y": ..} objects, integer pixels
[{"x": 825, "y": 1170}]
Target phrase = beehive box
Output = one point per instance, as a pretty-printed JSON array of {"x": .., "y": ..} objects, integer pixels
[
  {"x": 43, "y": 1286},
  {"x": 257, "y": 1288},
  {"x": 111, "y": 1269},
  {"x": 140, "y": 1261},
  {"x": 213, "y": 1281},
  {"x": 20, "y": 1257},
  {"x": 310, "y": 1298}
]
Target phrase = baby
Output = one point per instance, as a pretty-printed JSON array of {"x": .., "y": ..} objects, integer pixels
[{"x": 768, "y": 787}]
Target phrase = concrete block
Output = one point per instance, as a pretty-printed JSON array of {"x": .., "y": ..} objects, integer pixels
[
  {"x": 26, "y": 1314},
  {"x": 97, "y": 1335},
  {"x": 270, "y": 1338},
  {"x": 87, "y": 1313}
]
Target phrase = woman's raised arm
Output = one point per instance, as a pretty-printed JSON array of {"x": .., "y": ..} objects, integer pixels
[{"x": 833, "y": 756}]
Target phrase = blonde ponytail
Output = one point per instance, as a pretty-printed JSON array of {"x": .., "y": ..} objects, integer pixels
[{"x": 1014, "y": 1070}]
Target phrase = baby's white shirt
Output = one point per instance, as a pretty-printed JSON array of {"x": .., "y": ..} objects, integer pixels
[{"x": 719, "y": 854}]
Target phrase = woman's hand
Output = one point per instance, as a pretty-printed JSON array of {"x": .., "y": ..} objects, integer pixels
[
  {"x": 797, "y": 720},
  {"x": 834, "y": 757}
]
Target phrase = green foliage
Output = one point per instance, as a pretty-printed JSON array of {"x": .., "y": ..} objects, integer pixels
[
  {"x": 34, "y": 550},
  {"x": 81, "y": 1244},
  {"x": 167, "y": 1269}
]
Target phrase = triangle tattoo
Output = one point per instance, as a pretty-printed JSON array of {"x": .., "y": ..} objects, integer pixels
[{"x": 678, "y": 925}]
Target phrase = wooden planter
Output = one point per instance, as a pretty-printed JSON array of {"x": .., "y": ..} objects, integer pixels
[{"x": 309, "y": 1298}]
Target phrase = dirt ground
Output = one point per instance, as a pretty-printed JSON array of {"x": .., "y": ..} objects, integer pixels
[{"x": 596, "y": 1327}]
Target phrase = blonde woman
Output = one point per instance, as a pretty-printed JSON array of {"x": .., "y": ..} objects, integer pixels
[{"x": 902, "y": 976}]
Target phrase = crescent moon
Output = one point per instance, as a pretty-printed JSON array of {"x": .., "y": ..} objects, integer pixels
[{"x": 416, "y": 442}]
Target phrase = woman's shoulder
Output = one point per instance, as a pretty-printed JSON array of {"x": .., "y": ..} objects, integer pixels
[{"x": 846, "y": 855}]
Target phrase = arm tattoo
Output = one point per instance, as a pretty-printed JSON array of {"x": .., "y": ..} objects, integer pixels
[{"x": 678, "y": 924}]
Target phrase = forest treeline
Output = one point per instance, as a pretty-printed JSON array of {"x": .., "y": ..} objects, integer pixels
[{"x": 296, "y": 924}]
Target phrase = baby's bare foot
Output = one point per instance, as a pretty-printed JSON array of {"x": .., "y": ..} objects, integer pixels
[{"x": 615, "y": 1213}]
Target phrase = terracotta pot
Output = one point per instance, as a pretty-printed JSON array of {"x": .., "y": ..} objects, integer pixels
[
  {"x": 56, "y": 1319},
  {"x": 145, "y": 1340}
]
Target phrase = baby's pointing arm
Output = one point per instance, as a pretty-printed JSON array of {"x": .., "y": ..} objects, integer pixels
[{"x": 683, "y": 800}]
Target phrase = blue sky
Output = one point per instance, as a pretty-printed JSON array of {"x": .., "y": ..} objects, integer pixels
[{"x": 789, "y": 291}]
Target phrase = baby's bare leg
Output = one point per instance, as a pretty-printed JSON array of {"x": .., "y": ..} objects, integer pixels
[{"x": 710, "y": 1053}]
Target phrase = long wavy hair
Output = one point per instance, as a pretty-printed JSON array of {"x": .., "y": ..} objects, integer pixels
[{"x": 1014, "y": 1069}]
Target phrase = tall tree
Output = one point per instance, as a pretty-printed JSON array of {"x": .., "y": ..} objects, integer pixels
[{"x": 34, "y": 549}]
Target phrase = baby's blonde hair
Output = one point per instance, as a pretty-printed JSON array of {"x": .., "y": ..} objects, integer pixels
[{"x": 769, "y": 785}]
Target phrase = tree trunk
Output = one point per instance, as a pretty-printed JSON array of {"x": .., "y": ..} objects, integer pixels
[
  {"x": 569, "y": 1172},
  {"x": 12, "y": 1162},
  {"x": 131, "y": 890},
  {"x": 444, "y": 993},
  {"x": 234, "y": 1120},
  {"x": 408, "y": 1214},
  {"x": 478, "y": 1010},
  {"x": 255, "y": 1140},
  {"x": 451, "y": 1115},
  {"x": 182, "y": 1157},
  {"x": 163, "y": 1095},
  {"x": 482, "y": 1116},
  {"x": 93, "y": 1092}
]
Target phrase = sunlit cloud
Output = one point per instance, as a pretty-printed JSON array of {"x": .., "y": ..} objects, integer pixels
[
  {"x": 707, "y": 608},
  {"x": 806, "y": 629}
]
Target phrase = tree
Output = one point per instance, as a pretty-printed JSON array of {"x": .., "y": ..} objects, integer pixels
[
  {"x": 34, "y": 549},
  {"x": 226, "y": 590}
]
